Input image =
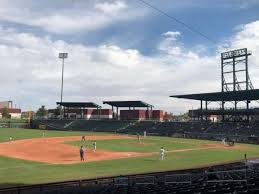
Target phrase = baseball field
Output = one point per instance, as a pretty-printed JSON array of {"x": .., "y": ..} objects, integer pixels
[{"x": 32, "y": 157}]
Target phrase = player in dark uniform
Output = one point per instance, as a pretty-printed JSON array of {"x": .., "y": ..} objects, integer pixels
[
  {"x": 83, "y": 138},
  {"x": 138, "y": 136},
  {"x": 82, "y": 153}
]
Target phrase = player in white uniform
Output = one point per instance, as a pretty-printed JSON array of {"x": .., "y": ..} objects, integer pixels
[
  {"x": 224, "y": 141},
  {"x": 10, "y": 139},
  {"x": 162, "y": 153},
  {"x": 94, "y": 146},
  {"x": 145, "y": 134}
]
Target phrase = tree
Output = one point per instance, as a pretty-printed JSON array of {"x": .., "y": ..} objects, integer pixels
[
  {"x": 5, "y": 112},
  {"x": 42, "y": 111},
  {"x": 182, "y": 117}
]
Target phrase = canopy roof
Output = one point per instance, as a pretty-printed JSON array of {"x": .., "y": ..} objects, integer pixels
[
  {"x": 128, "y": 104},
  {"x": 79, "y": 104},
  {"x": 241, "y": 95}
]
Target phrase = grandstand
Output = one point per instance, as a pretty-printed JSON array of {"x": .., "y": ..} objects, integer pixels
[
  {"x": 240, "y": 131},
  {"x": 238, "y": 178}
]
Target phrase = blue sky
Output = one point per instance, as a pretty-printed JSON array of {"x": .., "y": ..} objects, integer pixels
[{"x": 120, "y": 49}]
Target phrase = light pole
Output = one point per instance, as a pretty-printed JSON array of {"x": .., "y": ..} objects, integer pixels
[{"x": 62, "y": 56}]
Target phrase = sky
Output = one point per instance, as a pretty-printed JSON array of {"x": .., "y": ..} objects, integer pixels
[{"x": 120, "y": 49}]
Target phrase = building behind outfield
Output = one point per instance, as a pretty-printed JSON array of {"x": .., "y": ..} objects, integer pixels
[{"x": 13, "y": 112}]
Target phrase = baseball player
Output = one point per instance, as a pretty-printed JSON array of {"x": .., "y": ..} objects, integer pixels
[
  {"x": 82, "y": 153},
  {"x": 138, "y": 137},
  {"x": 145, "y": 134},
  {"x": 10, "y": 139},
  {"x": 83, "y": 138},
  {"x": 224, "y": 141},
  {"x": 94, "y": 146},
  {"x": 162, "y": 153}
]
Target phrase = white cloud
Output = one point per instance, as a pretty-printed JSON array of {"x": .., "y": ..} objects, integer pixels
[
  {"x": 111, "y": 8},
  {"x": 172, "y": 35},
  {"x": 30, "y": 70},
  {"x": 170, "y": 43},
  {"x": 248, "y": 37},
  {"x": 68, "y": 17}
]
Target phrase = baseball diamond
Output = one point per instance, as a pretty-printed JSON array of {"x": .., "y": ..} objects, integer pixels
[{"x": 56, "y": 156}]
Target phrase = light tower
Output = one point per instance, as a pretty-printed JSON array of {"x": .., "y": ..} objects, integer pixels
[
  {"x": 62, "y": 56},
  {"x": 234, "y": 73}
]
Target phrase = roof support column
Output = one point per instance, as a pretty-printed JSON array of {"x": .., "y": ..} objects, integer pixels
[
  {"x": 247, "y": 75},
  {"x": 206, "y": 108},
  {"x": 247, "y": 109},
  {"x": 61, "y": 111},
  {"x": 201, "y": 111},
  {"x": 82, "y": 112},
  {"x": 99, "y": 112},
  {"x": 223, "y": 107},
  {"x": 234, "y": 74},
  {"x": 148, "y": 113},
  {"x": 112, "y": 113},
  {"x": 117, "y": 113}
]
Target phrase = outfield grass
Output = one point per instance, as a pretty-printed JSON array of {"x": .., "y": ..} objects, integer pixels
[
  {"x": 14, "y": 171},
  {"x": 150, "y": 144},
  {"x": 30, "y": 133}
]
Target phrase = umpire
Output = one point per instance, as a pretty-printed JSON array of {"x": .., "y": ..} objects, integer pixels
[{"x": 82, "y": 153}]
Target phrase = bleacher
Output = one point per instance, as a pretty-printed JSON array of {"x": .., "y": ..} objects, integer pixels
[
  {"x": 97, "y": 125},
  {"x": 241, "y": 132},
  {"x": 236, "y": 178},
  {"x": 85, "y": 125}
]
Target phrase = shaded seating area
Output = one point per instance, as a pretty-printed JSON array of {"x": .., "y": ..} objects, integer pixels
[{"x": 80, "y": 106}]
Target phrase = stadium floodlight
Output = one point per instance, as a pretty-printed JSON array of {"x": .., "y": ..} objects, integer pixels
[{"x": 62, "y": 56}]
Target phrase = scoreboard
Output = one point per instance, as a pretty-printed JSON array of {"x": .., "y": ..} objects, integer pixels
[{"x": 235, "y": 53}]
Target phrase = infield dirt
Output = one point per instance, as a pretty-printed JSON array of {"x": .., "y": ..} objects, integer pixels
[{"x": 55, "y": 151}]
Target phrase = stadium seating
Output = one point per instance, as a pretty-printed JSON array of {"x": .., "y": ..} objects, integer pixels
[
  {"x": 86, "y": 125},
  {"x": 240, "y": 132},
  {"x": 237, "y": 178}
]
